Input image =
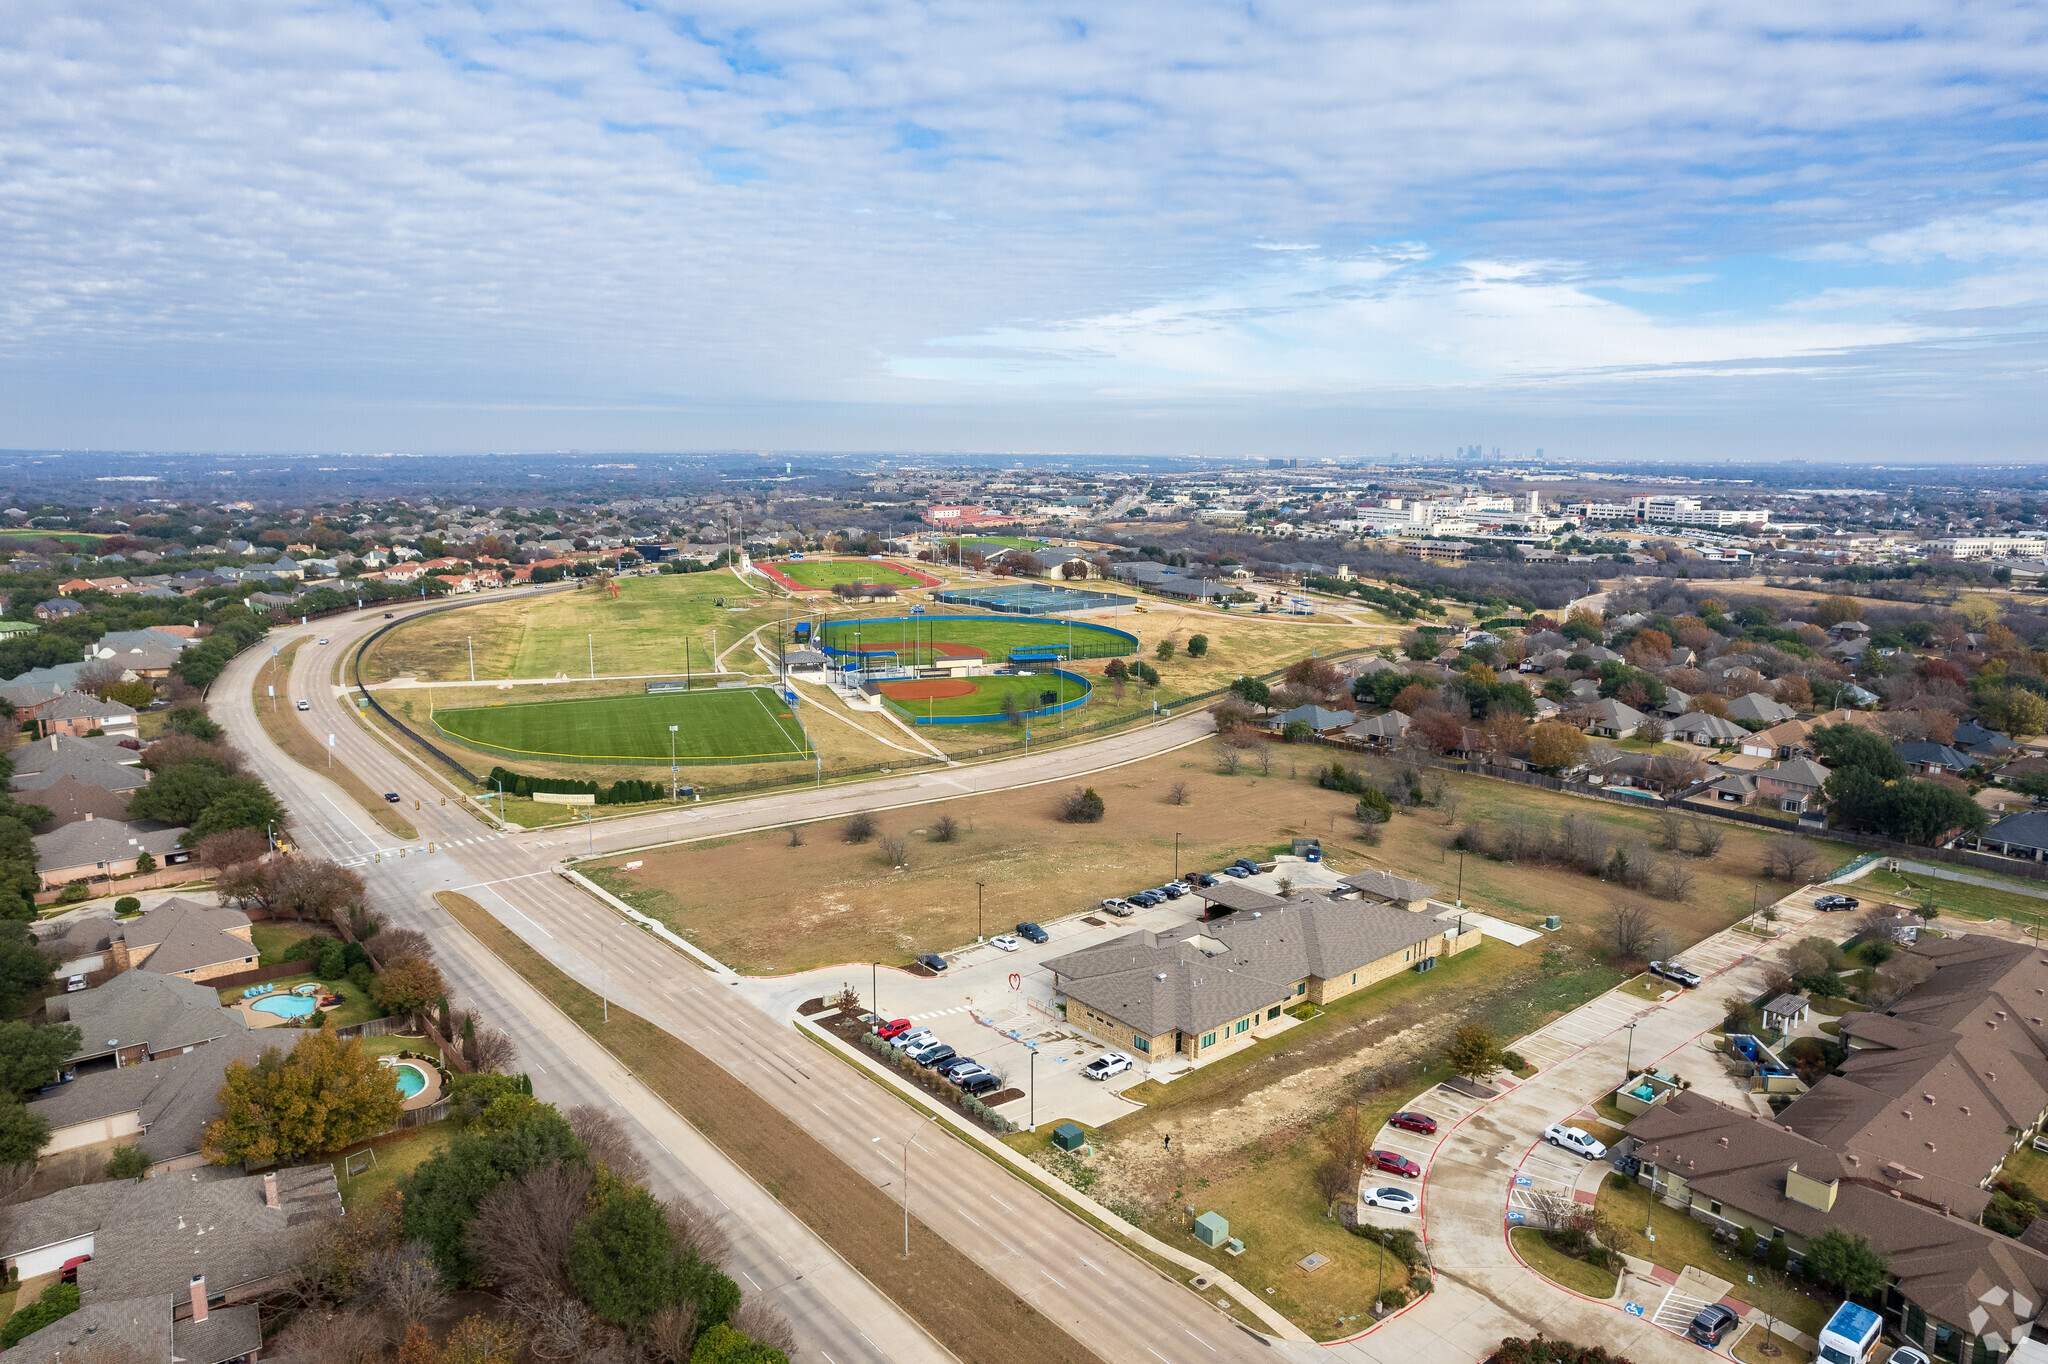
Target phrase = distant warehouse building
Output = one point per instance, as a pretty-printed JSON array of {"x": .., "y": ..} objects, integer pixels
[{"x": 1202, "y": 986}]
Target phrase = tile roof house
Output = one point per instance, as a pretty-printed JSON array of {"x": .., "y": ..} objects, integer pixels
[
  {"x": 1929, "y": 759},
  {"x": 1978, "y": 741},
  {"x": 1190, "y": 990},
  {"x": 33, "y": 757},
  {"x": 163, "y": 1105},
  {"x": 95, "y": 848},
  {"x": 1386, "y": 888},
  {"x": 70, "y": 800},
  {"x": 177, "y": 1263},
  {"x": 191, "y": 939},
  {"x": 1781, "y": 740},
  {"x": 1379, "y": 731},
  {"x": 86, "y": 769},
  {"x": 139, "y": 1015}
]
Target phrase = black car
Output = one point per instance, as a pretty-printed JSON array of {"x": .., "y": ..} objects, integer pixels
[
  {"x": 391, "y": 796},
  {"x": 1203, "y": 879},
  {"x": 1033, "y": 932},
  {"x": 931, "y": 961},
  {"x": 933, "y": 1059},
  {"x": 1713, "y": 1322},
  {"x": 981, "y": 1084},
  {"x": 1147, "y": 898},
  {"x": 1829, "y": 903},
  {"x": 1249, "y": 865},
  {"x": 1171, "y": 892}
]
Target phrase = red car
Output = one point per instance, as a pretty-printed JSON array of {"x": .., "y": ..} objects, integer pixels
[
  {"x": 1394, "y": 1163},
  {"x": 1414, "y": 1122},
  {"x": 893, "y": 1029}
]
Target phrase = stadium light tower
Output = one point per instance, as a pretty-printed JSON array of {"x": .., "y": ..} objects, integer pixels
[{"x": 672, "y": 762}]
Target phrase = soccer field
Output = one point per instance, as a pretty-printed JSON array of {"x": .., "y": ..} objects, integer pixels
[
  {"x": 825, "y": 573},
  {"x": 752, "y": 724},
  {"x": 912, "y": 639}
]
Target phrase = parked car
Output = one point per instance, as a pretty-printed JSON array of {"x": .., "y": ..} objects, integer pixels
[
  {"x": 1120, "y": 908},
  {"x": 1713, "y": 1322},
  {"x": 1907, "y": 1354},
  {"x": 68, "y": 1271},
  {"x": 1172, "y": 890},
  {"x": 1203, "y": 879},
  {"x": 1108, "y": 1064},
  {"x": 931, "y": 961},
  {"x": 1680, "y": 975},
  {"x": 930, "y": 1054},
  {"x": 982, "y": 1083},
  {"x": 1572, "y": 1139},
  {"x": 916, "y": 1037},
  {"x": 1395, "y": 1200},
  {"x": 1251, "y": 868},
  {"x": 305, "y": 705},
  {"x": 1003, "y": 942},
  {"x": 1394, "y": 1163},
  {"x": 388, "y": 615},
  {"x": 1828, "y": 904},
  {"x": 1414, "y": 1122},
  {"x": 1236, "y": 873},
  {"x": 894, "y": 1028},
  {"x": 1033, "y": 932},
  {"x": 955, "y": 1065}
]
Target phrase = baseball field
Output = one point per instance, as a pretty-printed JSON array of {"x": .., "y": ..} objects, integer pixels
[
  {"x": 728, "y": 725},
  {"x": 981, "y": 695},
  {"x": 919, "y": 639}
]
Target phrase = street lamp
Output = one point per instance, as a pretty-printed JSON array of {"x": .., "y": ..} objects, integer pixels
[
  {"x": 906, "y": 1180},
  {"x": 979, "y": 886},
  {"x": 672, "y": 762},
  {"x": 1461, "y": 878},
  {"x": 604, "y": 964},
  {"x": 1628, "y": 1066},
  {"x": 1176, "y": 857},
  {"x": 1033, "y": 1066}
]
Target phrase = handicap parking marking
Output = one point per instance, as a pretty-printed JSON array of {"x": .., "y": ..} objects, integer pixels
[{"x": 1676, "y": 1311}]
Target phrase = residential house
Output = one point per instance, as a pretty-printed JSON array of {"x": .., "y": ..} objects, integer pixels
[
  {"x": 61, "y": 748},
  {"x": 141, "y": 653},
  {"x": 1193, "y": 990},
  {"x": 80, "y": 713},
  {"x": 1781, "y": 740},
  {"x": 1729, "y": 788},
  {"x": 1928, "y": 760},
  {"x": 1612, "y": 719},
  {"x": 172, "y": 1268},
  {"x": 94, "y": 849},
  {"x": 2019, "y": 835},
  {"x": 162, "y": 1105},
  {"x": 190, "y": 939},
  {"x": 1316, "y": 718},
  {"x": 1981, "y": 742},
  {"x": 140, "y": 1015},
  {"x": 1697, "y": 727},
  {"x": 58, "y": 608},
  {"x": 1752, "y": 706},
  {"x": 1793, "y": 786},
  {"x": 1379, "y": 731},
  {"x": 70, "y": 800},
  {"x": 87, "y": 769}
]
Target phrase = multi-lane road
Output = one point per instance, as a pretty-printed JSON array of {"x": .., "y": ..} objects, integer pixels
[{"x": 1107, "y": 1298}]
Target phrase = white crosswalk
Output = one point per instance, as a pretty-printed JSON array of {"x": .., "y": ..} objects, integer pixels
[
  {"x": 420, "y": 849},
  {"x": 1677, "y": 1310},
  {"x": 942, "y": 1013}
]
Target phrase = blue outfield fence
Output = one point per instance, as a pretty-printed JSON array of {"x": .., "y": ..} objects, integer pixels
[{"x": 1087, "y": 689}]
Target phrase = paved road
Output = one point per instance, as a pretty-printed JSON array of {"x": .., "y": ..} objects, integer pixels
[{"x": 1112, "y": 1301}]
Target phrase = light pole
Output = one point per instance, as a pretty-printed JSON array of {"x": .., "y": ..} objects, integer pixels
[
  {"x": 672, "y": 762},
  {"x": 1628, "y": 1066},
  {"x": 471, "y": 641},
  {"x": 1176, "y": 857},
  {"x": 906, "y": 1180},
  {"x": 1461, "y": 878},
  {"x": 604, "y": 963},
  {"x": 1033, "y": 1066},
  {"x": 590, "y": 643},
  {"x": 979, "y": 886}
]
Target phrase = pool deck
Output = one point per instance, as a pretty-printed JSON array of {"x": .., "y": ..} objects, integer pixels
[
  {"x": 430, "y": 1095},
  {"x": 256, "y": 1018}
]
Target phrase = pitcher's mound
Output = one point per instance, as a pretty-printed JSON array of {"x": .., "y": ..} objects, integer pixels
[{"x": 929, "y": 689}]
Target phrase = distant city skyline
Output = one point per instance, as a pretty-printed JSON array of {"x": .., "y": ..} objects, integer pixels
[{"x": 1612, "y": 233}]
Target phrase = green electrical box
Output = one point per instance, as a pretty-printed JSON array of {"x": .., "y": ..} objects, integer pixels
[
  {"x": 1069, "y": 1137},
  {"x": 1212, "y": 1229}
]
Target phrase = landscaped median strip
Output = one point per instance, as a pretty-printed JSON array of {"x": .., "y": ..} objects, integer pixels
[
  {"x": 1077, "y": 1200},
  {"x": 965, "y": 1308}
]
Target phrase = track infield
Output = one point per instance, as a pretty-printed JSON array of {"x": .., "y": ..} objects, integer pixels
[{"x": 729, "y": 725}]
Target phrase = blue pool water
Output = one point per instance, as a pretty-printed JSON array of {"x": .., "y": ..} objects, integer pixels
[
  {"x": 284, "y": 1006},
  {"x": 411, "y": 1079}
]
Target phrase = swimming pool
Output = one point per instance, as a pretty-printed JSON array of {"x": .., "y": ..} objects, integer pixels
[
  {"x": 411, "y": 1079},
  {"x": 284, "y": 1006}
]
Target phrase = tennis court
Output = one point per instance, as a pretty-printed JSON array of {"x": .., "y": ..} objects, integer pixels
[
  {"x": 920, "y": 639},
  {"x": 727, "y": 725}
]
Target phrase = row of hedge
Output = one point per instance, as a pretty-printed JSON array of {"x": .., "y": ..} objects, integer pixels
[{"x": 628, "y": 792}]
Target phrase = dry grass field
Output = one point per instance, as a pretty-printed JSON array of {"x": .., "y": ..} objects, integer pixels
[{"x": 765, "y": 907}]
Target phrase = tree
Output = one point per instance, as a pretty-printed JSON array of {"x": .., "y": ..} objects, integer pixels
[
  {"x": 860, "y": 828},
  {"x": 22, "y": 1135},
  {"x": 1414, "y": 697},
  {"x": 1629, "y": 927},
  {"x": 58, "y": 1301},
  {"x": 1198, "y": 646},
  {"x": 181, "y": 794},
  {"x": 523, "y": 1229},
  {"x": 2014, "y": 710},
  {"x": 128, "y": 1161},
  {"x": 1555, "y": 745},
  {"x": 408, "y": 986},
  {"x": 1835, "y": 610},
  {"x": 1177, "y": 794},
  {"x": 1864, "y": 750},
  {"x": 31, "y": 1057},
  {"x": 244, "y": 804},
  {"x": 1164, "y": 653},
  {"x": 325, "y": 1094},
  {"x": 1473, "y": 1050},
  {"x": 443, "y": 1193},
  {"x": 1081, "y": 806},
  {"x": 721, "y": 1344},
  {"x": 1790, "y": 859},
  {"x": 232, "y": 846},
  {"x": 1254, "y": 692},
  {"x": 24, "y": 966},
  {"x": 625, "y": 1263},
  {"x": 1297, "y": 732}
]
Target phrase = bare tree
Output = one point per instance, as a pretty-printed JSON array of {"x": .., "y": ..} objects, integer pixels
[
  {"x": 1228, "y": 761},
  {"x": 697, "y": 1233},
  {"x": 1707, "y": 837},
  {"x": 495, "y": 1051},
  {"x": 339, "y": 1337},
  {"x": 1678, "y": 879},
  {"x": 1629, "y": 927},
  {"x": 1670, "y": 829},
  {"x": 945, "y": 829},
  {"x": 1263, "y": 754},
  {"x": 671, "y": 1331},
  {"x": 608, "y": 1143},
  {"x": 1896, "y": 979},
  {"x": 523, "y": 1228},
  {"x": 796, "y": 835},
  {"x": 387, "y": 945},
  {"x": 405, "y": 1284},
  {"x": 757, "y": 1319},
  {"x": 1177, "y": 794},
  {"x": 561, "y": 1327},
  {"x": 896, "y": 850},
  {"x": 860, "y": 828},
  {"x": 1448, "y": 802}
]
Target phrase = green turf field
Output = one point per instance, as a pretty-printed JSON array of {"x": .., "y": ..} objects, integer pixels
[
  {"x": 988, "y": 696},
  {"x": 828, "y": 572},
  {"x": 995, "y": 636},
  {"x": 1013, "y": 541},
  {"x": 83, "y": 539},
  {"x": 734, "y": 725}
]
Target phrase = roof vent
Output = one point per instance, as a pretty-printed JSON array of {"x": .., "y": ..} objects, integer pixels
[
  {"x": 1257, "y": 915},
  {"x": 1966, "y": 1110},
  {"x": 1928, "y": 1097},
  {"x": 1160, "y": 976},
  {"x": 1999, "y": 1012},
  {"x": 1724, "y": 1141}
]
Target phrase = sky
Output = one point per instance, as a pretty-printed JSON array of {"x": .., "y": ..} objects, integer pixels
[{"x": 1608, "y": 231}]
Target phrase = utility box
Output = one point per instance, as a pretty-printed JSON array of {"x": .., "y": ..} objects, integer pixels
[
  {"x": 1069, "y": 1137},
  {"x": 1553, "y": 923},
  {"x": 1212, "y": 1229}
]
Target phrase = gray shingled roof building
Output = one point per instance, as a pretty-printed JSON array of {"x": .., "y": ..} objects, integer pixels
[
  {"x": 1388, "y": 888},
  {"x": 89, "y": 768},
  {"x": 163, "y": 1104},
  {"x": 102, "y": 847},
  {"x": 1194, "y": 988},
  {"x": 191, "y": 939},
  {"x": 140, "y": 1014}
]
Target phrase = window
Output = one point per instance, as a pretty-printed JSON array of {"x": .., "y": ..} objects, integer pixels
[
  {"x": 1208, "y": 1039},
  {"x": 1142, "y": 1043},
  {"x": 1272, "y": 1013},
  {"x": 1354, "y": 977},
  {"x": 1243, "y": 1023},
  {"x": 1714, "y": 1206},
  {"x": 1301, "y": 987}
]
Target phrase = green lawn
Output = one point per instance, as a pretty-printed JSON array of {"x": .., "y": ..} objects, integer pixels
[
  {"x": 396, "y": 1159},
  {"x": 734, "y": 725},
  {"x": 988, "y": 694},
  {"x": 818, "y": 573},
  {"x": 356, "y": 1007},
  {"x": 1958, "y": 897},
  {"x": 273, "y": 938},
  {"x": 2028, "y": 1168},
  {"x": 911, "y": 638},
  {"x": 1560, "y": 1268}
]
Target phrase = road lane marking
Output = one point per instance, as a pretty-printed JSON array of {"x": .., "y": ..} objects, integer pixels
[{"x": 1199, "y": 1341}]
